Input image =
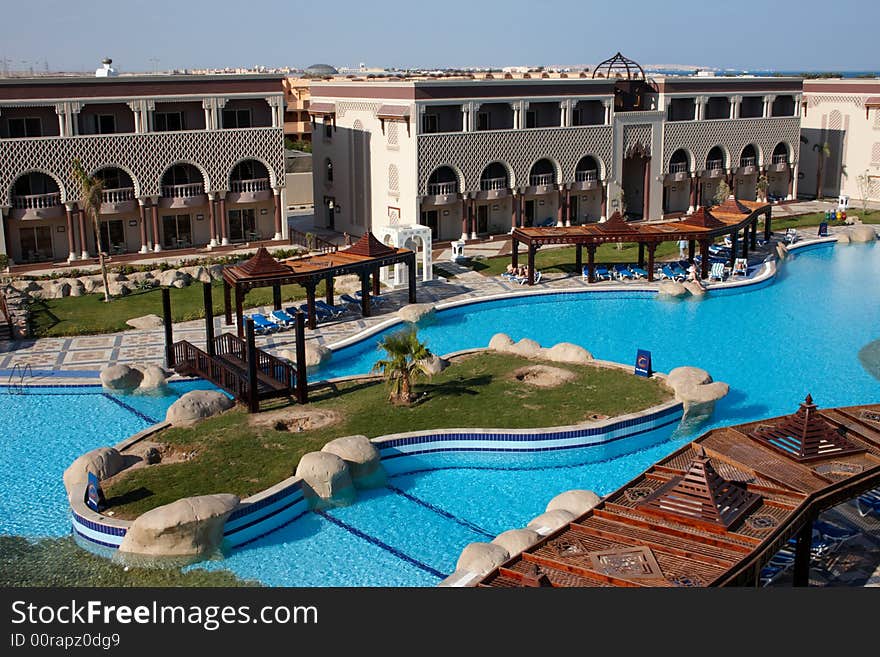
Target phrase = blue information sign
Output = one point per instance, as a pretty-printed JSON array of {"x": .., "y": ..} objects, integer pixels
[
  {"x": 93, "y": 492},
  {"x": 643, "y": 363}
]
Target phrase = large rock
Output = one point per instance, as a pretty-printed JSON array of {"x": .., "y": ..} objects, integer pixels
[
  {"x": 316, "y": 354},
  {"x": 153, "y": 376},
  {"x": 167, "y": 278},
  {"x": 103, "y": 462},
  {"x": 862, "y": 233},
  {"x": 120, "y": 377},
  {"x": 55, "y": 290},
  {"x": 216, "y": 272},
  {"x": 500, "y": 342},
  {"x": 180, "y": 282},
  {"x": 89, "y": 284},
  {"x": 672, "y": 289},
  {"x": 362, "y": 459},
  {"x": 434, "y": 365},
  {"x": 145, "y": 322},
  {"x": 416, "y": 312},
  {"x": 687, "y": 376},
  {"x": 325, "y": 478},
  {"x": 566, "y": 352},
  {"x": 696, "y": 390},
  {"x": 843, "y": 237},
  {"x": 140, "y": 277},
  {"x": 26, "y": 285},
  {"x": 481, "y": 558},
  {"x": 549, "y": 521},
  {"x": 576, "y": 502},
  {"x": 197, "y": 405},
  {"x": 527, "y": 348},
  {"x": 695, "y": 288},
  {"x": 119, "y": 288},
  {"x": 516, "y": 540},
  {"x": 189, "y": 527},
  {"x": 196, "y": 272}
]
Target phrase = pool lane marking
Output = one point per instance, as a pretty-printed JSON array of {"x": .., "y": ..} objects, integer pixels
[
  {"x": 130, "y": 409},
  {"x": 375, "y": 541},
  {"x": 441, "y": 512}
]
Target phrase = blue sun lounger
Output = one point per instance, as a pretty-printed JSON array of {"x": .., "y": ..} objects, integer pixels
[
  {"x": 335, "y": 311},
  {"x": 283, "y": 317},
  {"x": 638, "y": 272},
  {"x": 622, "y": 271},
  {"x": 263, "y": 325},
  {"x": 350, "y": 300},
  {"x": 378, "y": 299}
]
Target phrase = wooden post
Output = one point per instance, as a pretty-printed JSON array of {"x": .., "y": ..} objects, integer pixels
[
  {"x": 514, "y": 255},
  {"x": 578, "y": 259},
  {"x": 755, "y": 233},
  {"x": 209, "y": 318},
  {"x": 767, "y": 229},
  {"x": 745, "y": 247},
  {"x": 734, "y": 238},
  {"x": 276, "y": 296},
  {"x": 328, "y": 284},
  {"x": 227, "y": 302},
  {"x": 411, "y": 277},
  {"x": 801, "y": 572},
  {"x": 239, "y": 311},
  {"x": 310, "y": 304},
  {"x": 253, "y": 389},
  {"x": 691, "y": 248},
  {"x": 514, "y": 210},
  {"x": 302, "y": 387},
  {"x": 169, "y": 334},
  {"x": 652, "y": 246},
  {"x": 365, "y": 293},
  {"x": 376, "y": 282},
  {"x": 642, "y": 255},
  {"x": 704, "y": 259},
  {"x": 591, "y": 263},
  {"x": 568, "y": 207},
  {"x": 531, "y": 265}
]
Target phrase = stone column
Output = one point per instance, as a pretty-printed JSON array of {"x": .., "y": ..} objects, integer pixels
[
  {"x": 560, "y": 202},
  {"x": 157, "y": 241},
  {"x": 472, "y": 212},
  {"x": 607, "y": 105},
  {"x": 142, "y": 222},
  {"x": 224, "y": 225},
  {"x": 693, "y": 194},
  {"x": 276, "y": 195},
  {"x": 71, "y": 241},
  {"x": 794, "y": 181},
  {"x": 464, "y": 218},
  {"x": 514, "y": 211},
  {"x": 83, "y": 235},
  {"x": 568, "y": 207},
  {"x": 603, "y": 212},
  {"x": 646, "y": 201},
  {"x": 61, "y": 111},
  {"x": 212, "y": 220}
]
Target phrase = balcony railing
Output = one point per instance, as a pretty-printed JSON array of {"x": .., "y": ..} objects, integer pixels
[
  {"x": 714, "y": 165},
  {"x": 36, "y": 201},
  {"x": 587, "y": 175},
  {"x": 538, "y": 179},
  {"x": 747, "y": 161},
  {"x": 678, "y": 167},
  {"x": 780, "y": 158},
  {"x": 253, "y": 185},
  {"x": 183, "y": 191},
  {"x": 489, "y": 184},
  {"x": 442, "y": 189},
  {"x": 119, "y": 195}
]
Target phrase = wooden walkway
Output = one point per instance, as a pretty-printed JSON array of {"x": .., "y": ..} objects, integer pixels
[{"x": 714, "y": 512}]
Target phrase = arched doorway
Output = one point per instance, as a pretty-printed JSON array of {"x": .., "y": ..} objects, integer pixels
[
  {"x": 636, "y": 182},
  {"x": 746, "y": 183},
  {"x": 586, "y": 199},
  {"x": 716, "y": 171},
  {"x": 677, "y": 185}
]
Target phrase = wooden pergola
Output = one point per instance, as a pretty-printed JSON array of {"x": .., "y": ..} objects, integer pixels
[
  {"x": 702, "y": 227},
  {"x": 715, "y": 511},
  {"x": 364, "y": 258}
]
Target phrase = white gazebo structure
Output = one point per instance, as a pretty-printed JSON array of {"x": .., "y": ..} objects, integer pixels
[{"x": 414, "y": 237}]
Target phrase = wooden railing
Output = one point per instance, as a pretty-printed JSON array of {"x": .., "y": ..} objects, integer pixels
[
  {"x": 274, "y": 368},
  {"x": 312, "y": 242},
  {"x": 230, "y": 379}
]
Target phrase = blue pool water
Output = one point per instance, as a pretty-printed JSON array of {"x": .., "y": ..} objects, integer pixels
[
  {"x": 772, "y": 344},
  {"x": 43, "y": 430}
]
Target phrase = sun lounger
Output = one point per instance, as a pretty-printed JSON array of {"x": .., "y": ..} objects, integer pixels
[
  {"x": 622, "y": 272},
  {"x": 666, "y": 271},
  {"x": 350, "y": 300},
  {"x": 334, "y": 310},
  {"x": 869, "y": 503},
  {"x": 791, "y": 236},
  {"x": 522, "y": 280},
  {"x": 602, "y": 273},
  {"x": 716, "y": 272},
  {"x": 638, "y": 272},
  {"x": 264, "y": 325},
  {"x": 378, "y": 299},
  {"x": 283, "y": 317},
  {"x": 320, "y": 313}
]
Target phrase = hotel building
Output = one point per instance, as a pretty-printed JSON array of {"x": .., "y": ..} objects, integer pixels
[
  {"x": 186, "y": 161},
  {"x": 473, "y": 157}
]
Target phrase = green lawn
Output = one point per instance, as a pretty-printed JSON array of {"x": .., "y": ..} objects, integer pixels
[
  {"x": 478, "y": 391},
  {"x": 89, "y": 314},
  {"x": 60, "y": 562},
  {"x": 816, "y": 218}
]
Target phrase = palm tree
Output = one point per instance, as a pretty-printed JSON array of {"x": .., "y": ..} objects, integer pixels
[
  {"x": 722, "y": 193},
  {"x": 405, "y": 358},
  {"x": 824, "y": 150},
  {"x": 92, "y": 190}
]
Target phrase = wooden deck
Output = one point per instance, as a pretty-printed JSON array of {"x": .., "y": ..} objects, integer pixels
[{"x": 714, "y": 512}]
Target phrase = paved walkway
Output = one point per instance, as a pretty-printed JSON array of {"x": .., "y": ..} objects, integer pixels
[{"x": 58, "y": 359}]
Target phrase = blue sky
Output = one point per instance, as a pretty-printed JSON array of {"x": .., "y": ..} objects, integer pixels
[{"x": 778, "y": 34}]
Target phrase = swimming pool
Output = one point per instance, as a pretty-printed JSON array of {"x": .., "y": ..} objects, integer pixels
[
  {"x": 772, "y": 344},
  {"x": 43, "y": 429}
]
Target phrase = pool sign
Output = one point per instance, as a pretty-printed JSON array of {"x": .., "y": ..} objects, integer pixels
[
  {"x": 643, "y": 363},
  {"x": 93, "y": 492}
]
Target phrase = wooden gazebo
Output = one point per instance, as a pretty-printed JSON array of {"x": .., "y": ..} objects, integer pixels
[
  {"x": 364, "y": 258},
  {"x": 702, "y": 227}
]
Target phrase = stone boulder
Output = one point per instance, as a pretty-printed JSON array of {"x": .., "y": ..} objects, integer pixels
[
  {"x": 566, "y": 352},
  {"x": 145, "y": 322},
  {"x": 89, "y": 285},
  {"x": 671, "y": 289},
  {"x": 575, "y": 502},
  {"x": 862, "y": 233},
  {"x": 696, "y": 390},
  {"x": 119, "y": 288},
  {"x": 361, "y": 458},
  {"x": 549, "y": 521},
  {"x": 527, "y": 348},
  {"x": 843, "y": 237},
  {"x": 26, "y": 286},
  {"x": 434, "y": 365},
  {"x": 481, "y": 558},
  {"x": 197, "y": 405},
  {"x": 190, "y": 527},
  {"x": 416, "y": 312},
  {"x": 687, "y": 376},
  {"x": 196, "y": 273},
  {"x": 180, "y": 282},
  {"x": 139, "y": 277},
  {"x": 216, "y": 272},
  {"x": 500, "y": 342},
  {"x": 153, "y": 376},
  {"x": 316, "y": 354},
  {"x": 325, "y": 478},
  {"x": 167, "y": 278},
  {"x": 695, "y": 288},
  {"x": 120, "y": 377},
  {"x": 516, "y": 540},
  {"x": 55, "y": 290},
  {"x": 103, "y": 462}
]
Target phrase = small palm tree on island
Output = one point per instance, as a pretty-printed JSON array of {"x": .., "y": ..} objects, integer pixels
[
  {"x": 405, "y": 359},
  {"x": 92, "y": 191}
]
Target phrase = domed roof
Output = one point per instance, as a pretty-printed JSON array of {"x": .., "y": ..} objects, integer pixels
[
  {"x": 321, "y": 69},
  {"x": 619, "y": 66}
]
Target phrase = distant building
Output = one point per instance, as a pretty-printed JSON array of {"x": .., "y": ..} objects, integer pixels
[
  {"x": 845, "y": 114},
  {"x": 297, "y": 125}
]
